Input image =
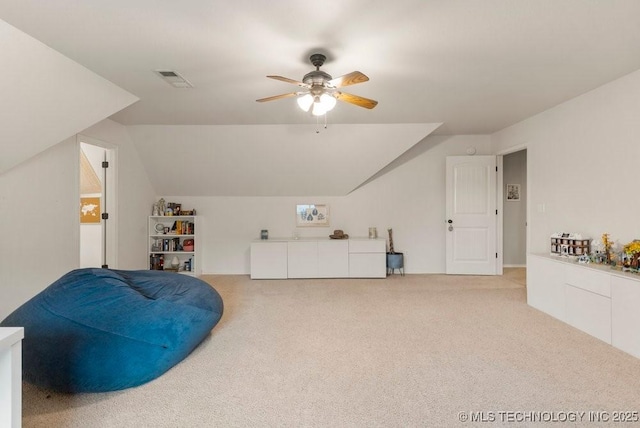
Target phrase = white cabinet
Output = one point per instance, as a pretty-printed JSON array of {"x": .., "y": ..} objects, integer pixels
[
  {"x": 11, "y": 376},
  {"x": 333, "y": 258},
  {"x": 625, "y": 315},
  {"x": 588, "y": 279},
  {"x": 593, "y": 298},
  {"x": 545, "y": 285},
  {"x": 589, "y": 312},
  {"x": 174, "y": 237},
  {"x": 268, "y": 260},
  {"x": 367, "y": 258},
  {"x": 302, "y": 259},
  {"x": 587, "y": 300},
  {"x": 318, "y": 258}
]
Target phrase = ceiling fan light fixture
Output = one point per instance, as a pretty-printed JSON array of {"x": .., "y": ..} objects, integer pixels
[
  {"x": 328, "y": 101},
  {"x": 305, "y": 101},
  {"x": 321, "y": 90},
  {"x": 318, "y": 109},
  {"x": 322, "y": 104}
]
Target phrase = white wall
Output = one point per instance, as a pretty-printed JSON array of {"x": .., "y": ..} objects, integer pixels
[
  {"x": 583, "y": 161},
  {"x": 410, "y": 199},
  {"x": 39, "y": 210},
  {"x": 39, "y": 202},
  {"x": 514, "y": 169}
]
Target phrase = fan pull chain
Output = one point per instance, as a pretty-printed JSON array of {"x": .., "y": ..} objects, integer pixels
[{"x": 318, "y": 123}]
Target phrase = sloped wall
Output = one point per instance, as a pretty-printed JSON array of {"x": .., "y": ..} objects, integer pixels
[
  {"x": 410, "y": 199},
  {"x": 46, "y": 97}
]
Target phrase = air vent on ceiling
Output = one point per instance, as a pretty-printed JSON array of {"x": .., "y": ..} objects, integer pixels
[{"x": 174, "y": 79}]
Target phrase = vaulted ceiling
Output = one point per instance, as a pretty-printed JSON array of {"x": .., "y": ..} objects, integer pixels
[{"x": 473, "y": 66}]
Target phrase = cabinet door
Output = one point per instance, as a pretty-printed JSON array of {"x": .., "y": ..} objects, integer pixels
[
  {"x": 589, "y": 312},
  {"x": 368, "y": 265},
  {"x": 269, "y": 260},
  {"x": 302, "y": 259},
  {"x": 545, "y": 286},
  {"x": 625, "y": 317},
  {"x": 333, "y": 259}
]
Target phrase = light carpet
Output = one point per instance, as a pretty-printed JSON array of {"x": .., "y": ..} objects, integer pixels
[{"x": 398, "y": 352}]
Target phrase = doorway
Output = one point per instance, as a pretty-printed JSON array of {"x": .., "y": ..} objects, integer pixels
[
  {"x": 97, "y": 198},
  {"x": 514, "y": 226},
  {"x": 471, "y": 215}
]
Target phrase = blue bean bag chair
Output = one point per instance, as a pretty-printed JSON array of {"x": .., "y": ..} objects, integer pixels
[{"x": 97, "y": 330}]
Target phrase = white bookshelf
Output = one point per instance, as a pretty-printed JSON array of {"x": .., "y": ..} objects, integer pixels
[{"x": 168, "y": 236}]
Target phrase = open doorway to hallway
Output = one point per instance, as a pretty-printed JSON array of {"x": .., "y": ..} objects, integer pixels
[
  {"x": 514, "y": 169},
  {"x": 97, "y": 196}
]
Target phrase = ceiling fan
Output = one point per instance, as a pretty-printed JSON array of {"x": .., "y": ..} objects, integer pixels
[{"x": 321, "y": 90}]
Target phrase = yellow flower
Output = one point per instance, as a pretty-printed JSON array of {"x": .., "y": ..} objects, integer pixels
[{"x": 632, "y": 247}]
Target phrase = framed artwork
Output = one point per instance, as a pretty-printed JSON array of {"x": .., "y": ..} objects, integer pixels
[
  {"x": 312, "y": 215},
  {"x": 513, "y": 192},
  {"x": 90, "y": 210}
]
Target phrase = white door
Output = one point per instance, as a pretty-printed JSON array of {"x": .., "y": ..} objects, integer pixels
[{"x": 471, "y": 215}]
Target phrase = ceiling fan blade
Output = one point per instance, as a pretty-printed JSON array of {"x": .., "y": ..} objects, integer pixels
[
  {"x": 348, "y": 79},
  {"x": 278, "y": 97},
  {"x": 287, "y": 80},
  {"x": 356, "y": 100}
]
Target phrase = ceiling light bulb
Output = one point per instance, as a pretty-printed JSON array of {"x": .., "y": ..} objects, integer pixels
[
  {"x": 328, "y": 102},
  {"x": 318, "y": 109},
  {"x": 305, "y": 102}
]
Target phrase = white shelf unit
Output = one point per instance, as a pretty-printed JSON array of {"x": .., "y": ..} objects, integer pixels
[{"x": 167, "y": 245}]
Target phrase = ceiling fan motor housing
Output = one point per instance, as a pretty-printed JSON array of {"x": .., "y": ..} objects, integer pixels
[{"x": 316, "y": 78}]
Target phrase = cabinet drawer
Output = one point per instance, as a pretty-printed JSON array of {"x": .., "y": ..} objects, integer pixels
[
  {"x": 588, "y": 312},
  {"x": 588, "y": 279},
  {"x": 367, "y": 246}
]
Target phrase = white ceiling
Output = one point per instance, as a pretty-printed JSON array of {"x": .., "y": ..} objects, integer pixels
[
  {"x": 453, "y": 66},
  {"x": 475, "y": 66}
]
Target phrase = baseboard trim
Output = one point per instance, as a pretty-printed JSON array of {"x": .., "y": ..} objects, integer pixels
[{"x": 514, "y": 266}]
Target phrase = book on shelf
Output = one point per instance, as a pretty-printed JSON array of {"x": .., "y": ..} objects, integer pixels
[{"x": 182, "y": 227}]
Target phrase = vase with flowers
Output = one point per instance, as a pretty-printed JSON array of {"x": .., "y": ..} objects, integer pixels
[{"x": 632, "y": 251}]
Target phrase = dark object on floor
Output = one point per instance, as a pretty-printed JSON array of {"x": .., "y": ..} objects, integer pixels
[{"x": 97, "y": 330}]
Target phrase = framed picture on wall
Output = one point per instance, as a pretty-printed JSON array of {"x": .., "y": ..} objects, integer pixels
[
  {"x": 513, "y": 192},
  {"x": 312, "y": 215},
  {"x": 90, "y": 210}
]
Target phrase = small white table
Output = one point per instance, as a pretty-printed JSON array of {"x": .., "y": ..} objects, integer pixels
[{"x": 11, "y": 376}]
